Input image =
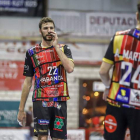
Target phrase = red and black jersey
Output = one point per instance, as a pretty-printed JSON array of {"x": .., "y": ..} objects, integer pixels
[
  {"x": 50, "y": 75},
  {"x": 124, "y": 53}
]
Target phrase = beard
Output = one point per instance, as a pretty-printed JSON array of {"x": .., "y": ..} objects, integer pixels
[{"x": 47, "y": 37}]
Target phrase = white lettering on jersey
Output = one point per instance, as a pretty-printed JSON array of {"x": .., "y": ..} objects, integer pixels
[
  {"x": 131, "y": 55},
  {"x": 47, "y": 79}
]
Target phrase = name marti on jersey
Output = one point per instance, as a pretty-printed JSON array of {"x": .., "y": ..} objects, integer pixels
[{"x": 135, "y": 56}]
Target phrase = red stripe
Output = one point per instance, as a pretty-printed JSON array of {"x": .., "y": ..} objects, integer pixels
[
  {"x": 129, "y": 42},
  {"x": 134, "y": 46},
  {"x": 60, "y": 117},
  {"x": 37, "y": 72},
  {"x": 123, "y": 44},
  {"x": 56, "y": 55},
  {"x": 138, "y": 47},
  {"x": 42, "y": 99},
  {"x": 118, "y": 72},
  {"x": 133, "y": 49},
  {"x": 35, "y": 94},
  {"x": 48, "y": 56},
  {"x": 33, "y": 62},
  {"x": 57, "y": 129}
]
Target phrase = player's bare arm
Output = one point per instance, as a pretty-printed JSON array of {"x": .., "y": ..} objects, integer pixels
[
  {"x": 68, "y": 64},
  {"x": 25, "y": 92},
  {"x": 104, "y": 74}
]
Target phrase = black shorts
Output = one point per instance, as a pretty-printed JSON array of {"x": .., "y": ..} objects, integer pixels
[
  {"x": 50, "y": 116},
  {"x": 118, "y": 119}
]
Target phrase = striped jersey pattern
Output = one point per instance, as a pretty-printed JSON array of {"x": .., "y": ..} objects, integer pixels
[
  {"x": 50, "y": 75},
  {"x": 125, "y": 82}
]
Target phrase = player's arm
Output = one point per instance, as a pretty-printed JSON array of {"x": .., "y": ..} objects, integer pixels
[
  {"x": 104, "y": 73},
  {"x": 28, "y": 72},
  {"x": 25, "y": 92},
  {"x": 67, "y": 62},
  {"x": 105, "y": 78},
  {"x": 106, "y": 65}
]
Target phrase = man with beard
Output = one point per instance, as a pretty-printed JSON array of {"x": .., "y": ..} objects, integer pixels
[{"x": 48, "y": 62}]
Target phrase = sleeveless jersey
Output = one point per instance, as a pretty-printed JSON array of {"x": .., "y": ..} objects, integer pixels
[
  {"x": 124, "y": 53},
  {"x": 50, "y": 75}
]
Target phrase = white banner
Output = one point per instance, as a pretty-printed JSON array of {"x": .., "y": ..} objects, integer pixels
[
  {"x": 14, "y": 134},
  {"x": 98, "y": 86},
  {"x": 75, "y": 134},
  {"x": 78, "y": 134},
  {"x": 106, "y": 24},
  {"x": 68, "y": 22},
  {"x": 22, "y": 134},
  {"x": 88, "y": 52},
  {"x": 12, "y": 50}
]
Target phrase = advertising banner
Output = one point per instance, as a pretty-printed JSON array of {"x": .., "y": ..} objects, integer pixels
[
  {"x": 14, "y": 50},
  {"x": 77, "y": 134},
  {"x": 11, "y": 75},
  {"x": 98, "y": 86},
  {"x": 8, "y": 113},
  {"x": 27, "y": 8},
  {"x": 92, "y": 23},
  {"x": 74, "y": 134},
  {"x": 22, "y": 134},
  {"x": 106, "y": 24},
  {"x": 14, "y": 134}
]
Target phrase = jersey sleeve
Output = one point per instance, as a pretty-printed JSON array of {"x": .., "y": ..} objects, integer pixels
[
  {"x": 28, "y": 66},
  {"x": 68, "y": 53},
  {"x": 109, "y": 56}
]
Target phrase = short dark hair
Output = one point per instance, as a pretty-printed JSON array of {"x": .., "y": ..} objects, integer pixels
[
  {"x": 138, "y": 6},
  {"x": 45, "y": 20}
]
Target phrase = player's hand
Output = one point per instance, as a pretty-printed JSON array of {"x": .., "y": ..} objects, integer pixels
[
  {"x": 55, "y": 39},
  {"x": 21, "y": 118},
  {"x": 105, "y": 94}
]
